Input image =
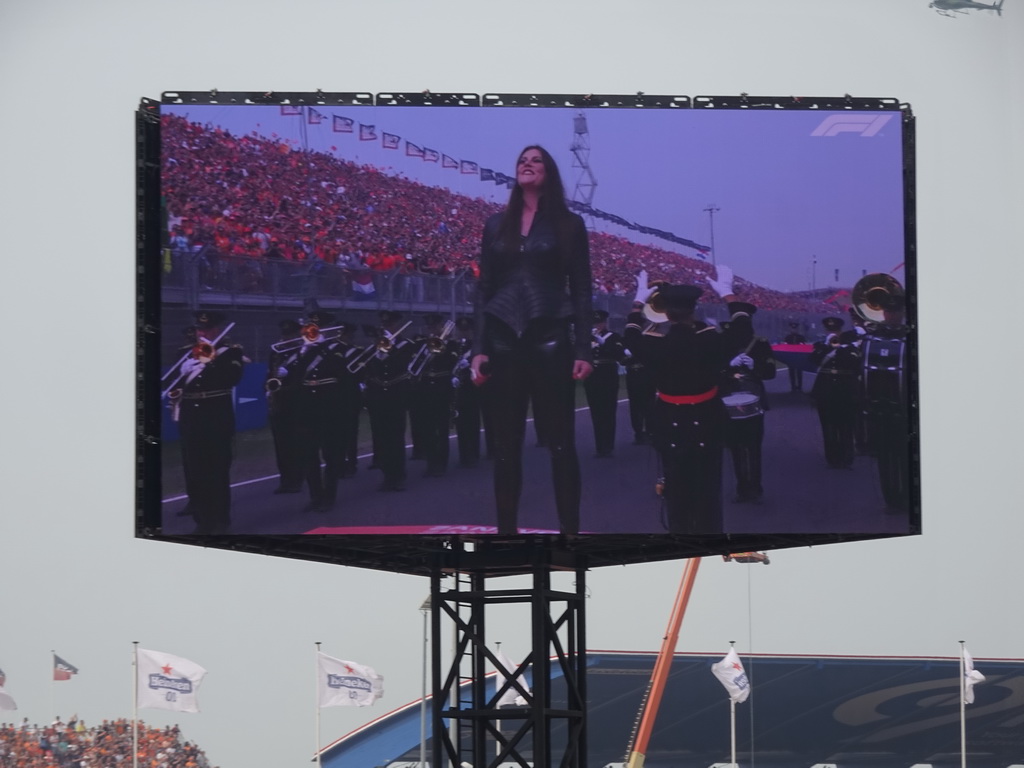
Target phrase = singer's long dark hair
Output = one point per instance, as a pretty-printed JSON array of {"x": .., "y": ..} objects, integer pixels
[{"x": 551, "y": 206}]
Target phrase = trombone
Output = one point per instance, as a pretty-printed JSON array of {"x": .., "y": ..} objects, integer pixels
[
  {"x": 381, "y": 347},
  {"x": 432, "y": 346},
  {"x": 200, "y": 349},
  {"x": 309, "y": 333}
]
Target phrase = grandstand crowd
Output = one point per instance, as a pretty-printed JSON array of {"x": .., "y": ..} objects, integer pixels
[
  {"x": 259, "y": 200},
  {"x": 108, "y": 745}
]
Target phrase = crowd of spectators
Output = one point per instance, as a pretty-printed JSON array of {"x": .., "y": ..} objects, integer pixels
[
  {"x": 108, "y": 745},
  {"x": 256, "y": 201}
]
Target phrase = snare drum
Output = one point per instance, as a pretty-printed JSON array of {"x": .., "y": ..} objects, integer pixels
[{"x": 742, "y": 405}]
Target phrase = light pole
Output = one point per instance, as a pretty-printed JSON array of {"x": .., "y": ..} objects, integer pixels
[
  {"x": 711, "y": 210},
  {"x": 425, "y": 610}
]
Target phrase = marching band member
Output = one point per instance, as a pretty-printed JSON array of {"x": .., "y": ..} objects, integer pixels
[
  {"x": 434, "y": 392},
  {"x": 282, "y": 414},
  {"x": 467, "y": 396},
  {"x": 796, "y": 373},
  {"x": 319, "y": 369},
  {"x": 203, "y": 400},
  {"x": 884, "y": 376},
  {"x": 602, "y": 386},
  {"x": 686, "y": 364},
  {"x": 388, "y": 389},
  {"x": 746, "y": 400},
  {"x": 641, "y": 394},
  {"x": 836, "y": 390}
]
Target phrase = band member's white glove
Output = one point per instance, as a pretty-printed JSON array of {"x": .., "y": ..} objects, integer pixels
[
  {"x": 455, "y": 382},
  {"x": 742, "y": 361},
  {"x": 860, "y": 331},
  {"x": 191, "y": 365},
  {"x": 282, "y": 372},
  {"x": 723, "y": 284},
  {"x": 642, "y": 289}
]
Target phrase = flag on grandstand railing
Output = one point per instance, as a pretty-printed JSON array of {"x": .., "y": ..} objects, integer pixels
[
  {"x": 62, "y": 670},
  {"x": 288, "y": 109},
  {"x": 971, "y": 678},
  {"x": 6, "y": 701},
  {"x": 449, "y": 162},
  {"x": 507, "y": 669},
  {"x": 343, "y": 124},
  {"x": 346, "y": 684},
  {"x": 469, "y": 167},
  {"x": 486, "y": 174},
  {"x": 315, "y": 118},
  {"x": 367, "y": 132},
  {"x": 390, "y": 140},
  {"x": 165, "y": 681},
  {"x": 362, "y": 282},
  {"x": 431, "y": 155},
  {"x": 412, "y": 150},
  {"x": 730, "y": 673}
]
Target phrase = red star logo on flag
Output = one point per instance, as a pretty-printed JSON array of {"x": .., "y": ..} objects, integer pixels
[
  {"x": 167, "y": 669},
  {"x": 349, "y": 669},
  {"x": 737, "y": 667}
]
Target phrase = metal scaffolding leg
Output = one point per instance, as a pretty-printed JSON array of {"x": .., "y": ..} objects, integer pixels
[{"x": 547, "y": 727}]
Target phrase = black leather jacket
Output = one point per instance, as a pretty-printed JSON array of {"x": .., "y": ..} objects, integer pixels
[{"x": 532, "y": 280}]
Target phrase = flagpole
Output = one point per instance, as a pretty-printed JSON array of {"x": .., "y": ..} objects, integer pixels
[
  {"x": 53, "y": 680},
  {"x": 316, "y": 694},
  {"x": 963, "y": 713},
  {"x": 732, "y": 720},
  {"x": 135, "y": 704}
]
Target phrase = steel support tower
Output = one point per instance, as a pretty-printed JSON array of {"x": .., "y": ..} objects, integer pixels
[{"x": 547, "y": 727}]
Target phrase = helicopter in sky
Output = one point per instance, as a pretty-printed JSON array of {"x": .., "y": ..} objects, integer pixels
[{"x": 951, "y": 7}]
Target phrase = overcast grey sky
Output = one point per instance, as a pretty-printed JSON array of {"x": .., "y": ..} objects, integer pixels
[{"x": 73, "y": 578}]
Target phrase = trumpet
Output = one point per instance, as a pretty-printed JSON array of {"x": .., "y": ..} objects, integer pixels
[
  {"x": 309, "y": 333},
  {"x": 432, "y": 346},
  {"x": 381, "y": 347},
  {"x": 204, "y": 351}
]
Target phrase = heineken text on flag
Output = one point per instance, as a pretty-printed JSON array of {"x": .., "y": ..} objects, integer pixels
[
  {"x": 731, "y": 674},
  {"x": 346, "y": 684},
  {"x": 167, "y": 682}
]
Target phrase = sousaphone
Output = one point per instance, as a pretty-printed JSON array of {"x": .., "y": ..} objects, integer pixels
[{"x": 875, "y": 294}]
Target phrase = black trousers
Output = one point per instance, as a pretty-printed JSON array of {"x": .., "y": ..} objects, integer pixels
[
  {"x": 285, "y": 428},
  {"x": 207, "y": 431},
  {"x": 744, "y": 438},
  {"x": 689, "y": 440},
  {"x": 890, "y": 438},
  {"x": 322, "y": 428},
  {"x": 641, "y": 392},
  {"x": 467, "y": 421},
  {"x": 537, "y": 368},
  {"x": 602, "y": 390}
]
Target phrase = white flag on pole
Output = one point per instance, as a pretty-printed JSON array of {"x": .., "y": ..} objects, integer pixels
[
  {"x": 971, "y": 677},
  {"x": 167, "y": 682},
  {"x": 346, "y": 684},
  {"x": 6, "y": 701},
  {"x": 511, "y": 697},
  {"x": 730, "y": 673}
]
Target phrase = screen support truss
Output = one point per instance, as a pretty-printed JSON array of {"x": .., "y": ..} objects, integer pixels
[{"x": 547, "y": 725}]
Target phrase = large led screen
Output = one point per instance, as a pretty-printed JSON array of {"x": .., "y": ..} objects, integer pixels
[{"x": 320, "y": 296}]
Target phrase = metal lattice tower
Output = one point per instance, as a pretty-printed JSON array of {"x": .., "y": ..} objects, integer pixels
[{"x": 586, "y": 183}]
